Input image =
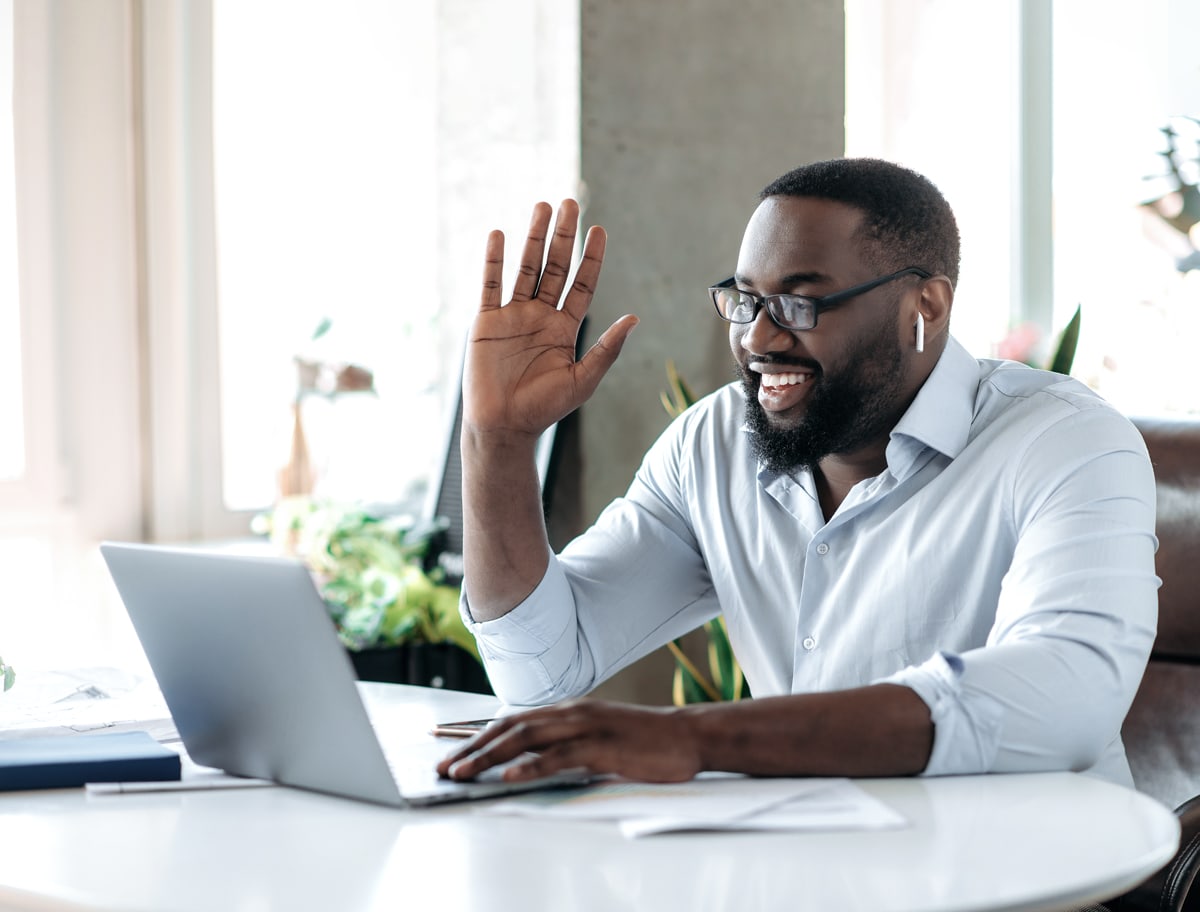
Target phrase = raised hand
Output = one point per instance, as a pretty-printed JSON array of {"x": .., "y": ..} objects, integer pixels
[{"x": 521, "y": 375}]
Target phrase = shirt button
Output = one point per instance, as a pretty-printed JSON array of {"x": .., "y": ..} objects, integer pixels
[
  {"x": 810, "y": 643},
  {"x": 822, "y": 548}
]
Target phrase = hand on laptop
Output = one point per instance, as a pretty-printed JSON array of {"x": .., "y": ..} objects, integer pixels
[{"x": 644, "y": 743}]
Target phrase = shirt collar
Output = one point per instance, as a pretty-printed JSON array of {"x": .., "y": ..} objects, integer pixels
[{"x": 940, "y": 415}]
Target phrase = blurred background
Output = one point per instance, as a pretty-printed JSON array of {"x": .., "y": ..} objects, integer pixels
[{"x": 210, "y": 209}]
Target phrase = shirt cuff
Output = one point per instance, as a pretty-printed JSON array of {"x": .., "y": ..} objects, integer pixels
[
  {"x": 529, "y": 650},
  {"x": 967, "y": 724}
]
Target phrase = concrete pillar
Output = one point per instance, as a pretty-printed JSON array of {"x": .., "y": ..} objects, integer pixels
[{"x": 688, "y": 108}]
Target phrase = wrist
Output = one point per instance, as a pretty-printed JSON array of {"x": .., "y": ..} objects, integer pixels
[
  {"x": 696, "y": 734},
  {"x": 493, "y": 443}
]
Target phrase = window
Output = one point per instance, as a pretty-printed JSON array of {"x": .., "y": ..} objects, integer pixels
[
  {"x": 921, "y": 94},
  {"x": 1114, "y": 257},
  {"x": 356, "y": 178},
  {"x": 325, "y": 212},
  {"x": 1045, "y": 146},
  {"x": 121, "y": 353}
]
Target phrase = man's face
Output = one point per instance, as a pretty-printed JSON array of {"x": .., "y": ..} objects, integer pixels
[{"x": 837, "y": 388}]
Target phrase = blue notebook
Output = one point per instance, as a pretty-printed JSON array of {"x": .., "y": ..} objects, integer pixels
[{"x": 67, "y": 761}]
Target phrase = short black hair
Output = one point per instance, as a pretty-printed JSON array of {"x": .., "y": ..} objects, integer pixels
[{"x": 904, "y": 214}]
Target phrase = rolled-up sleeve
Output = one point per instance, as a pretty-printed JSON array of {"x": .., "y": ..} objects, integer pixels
[{"x": 530, "y": 650}]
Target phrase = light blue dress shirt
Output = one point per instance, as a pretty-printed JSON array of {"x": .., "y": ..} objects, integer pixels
[{"x": 1002, "y": 566}]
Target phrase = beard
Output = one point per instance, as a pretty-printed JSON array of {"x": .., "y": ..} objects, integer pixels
[{"x": 847, "y": 409}]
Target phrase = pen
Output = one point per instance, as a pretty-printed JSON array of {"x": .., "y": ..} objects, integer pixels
[{"x": 173, "y": 785}]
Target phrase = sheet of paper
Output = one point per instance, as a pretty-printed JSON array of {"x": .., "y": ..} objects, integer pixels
[
  {"x": 83, "y": 700},
  {"x": 702, "y": 799},
  {"x": 838, "y": 805},
  {"x": 712, "y": 802}
]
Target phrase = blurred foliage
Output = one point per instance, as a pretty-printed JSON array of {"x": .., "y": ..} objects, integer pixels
[
  {"x": 373, "y": 571},
  {"x": 1177, "y": 204},
  {"x": 1021, "y": 341},
  {"x": 1068, "y": 341}
]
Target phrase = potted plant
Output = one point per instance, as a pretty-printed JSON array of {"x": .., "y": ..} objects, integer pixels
[
  {"x": 7, "y": 674},
  {"x": 392, "y": 607}
]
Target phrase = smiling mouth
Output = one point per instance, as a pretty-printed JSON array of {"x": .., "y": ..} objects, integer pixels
[
  {"x": 781, "y": 376},
  {"x": 779, "y": 381},
  {"x": 781, "y": 390}
]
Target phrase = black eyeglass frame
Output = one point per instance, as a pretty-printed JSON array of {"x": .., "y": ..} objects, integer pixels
[{"x": 776, "y": 303}]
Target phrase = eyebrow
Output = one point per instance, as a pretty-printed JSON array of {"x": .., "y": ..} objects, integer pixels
[{"x": 788, "y": 281}]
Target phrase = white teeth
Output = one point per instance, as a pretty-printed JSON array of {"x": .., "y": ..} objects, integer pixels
[{"x": 783, "y": 379}]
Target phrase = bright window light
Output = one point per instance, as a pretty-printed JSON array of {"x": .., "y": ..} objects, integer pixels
[
  {"x": 902, "y": 104},
  {"x": 325, "y": 136},
  {"x": 12, "y": 440},
  {"x": 1112, "y": 256},
  {"x": 1119, "y": 78}
]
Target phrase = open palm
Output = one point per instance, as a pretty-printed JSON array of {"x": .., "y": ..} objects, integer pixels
[{"x": 521, "y": 372}]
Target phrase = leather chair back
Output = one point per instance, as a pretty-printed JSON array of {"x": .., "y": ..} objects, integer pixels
[{"x": 1162, "y": 730}]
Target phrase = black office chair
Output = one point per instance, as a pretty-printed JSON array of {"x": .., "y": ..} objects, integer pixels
[{"x": 444, "y": 502}]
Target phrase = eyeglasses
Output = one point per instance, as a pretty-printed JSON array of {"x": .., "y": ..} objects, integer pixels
[{"x": 790, "y": 311}]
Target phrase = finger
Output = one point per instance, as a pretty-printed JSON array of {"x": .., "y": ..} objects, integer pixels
[
  {"x": 471, "y": 745},
  {"x": 531, "y": 257},
  {"x": 588, "y": 274},
  {"x": 571, "y": 755},
  {"x": 525, "y": 735},
  {"x": 558, "y": 260},
  {"x": 493, "y": 271},
  {"x": 496, "y": 750},
  {"x": 591, "y": 368}
]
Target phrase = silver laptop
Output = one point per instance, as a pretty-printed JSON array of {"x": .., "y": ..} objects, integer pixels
[{"x": 259, "y": 685}]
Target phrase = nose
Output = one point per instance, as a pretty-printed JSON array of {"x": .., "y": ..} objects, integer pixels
[{"x": 764, "y": 335}]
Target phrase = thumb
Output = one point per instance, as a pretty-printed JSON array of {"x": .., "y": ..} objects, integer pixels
[{"x": 592, "y": 367}]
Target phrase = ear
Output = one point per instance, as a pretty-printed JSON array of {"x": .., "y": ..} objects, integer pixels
[{"x": 937, "y": 297}]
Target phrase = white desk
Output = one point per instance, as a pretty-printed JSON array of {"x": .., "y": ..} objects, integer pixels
[{"x": 1037, "y": 842}]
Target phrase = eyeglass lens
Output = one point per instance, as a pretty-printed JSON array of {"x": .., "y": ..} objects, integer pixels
[{"x": 789, "y": 311}]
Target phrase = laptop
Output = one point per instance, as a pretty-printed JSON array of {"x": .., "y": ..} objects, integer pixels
[{"x": 259, "y": 685}]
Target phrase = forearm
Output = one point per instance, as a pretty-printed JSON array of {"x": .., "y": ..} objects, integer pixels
[
  {"x": 881, "y": 730},
  {"x": 505, "y": 548}
]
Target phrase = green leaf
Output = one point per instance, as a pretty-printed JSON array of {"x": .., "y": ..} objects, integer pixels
[
  {"x": 668, "y": 405},
  {"x": 1064, "y": 356},
  {"x": 725, "y": 671},
  {"x": 322, "y": 328},
  {"x": 687, "y": 689},
  {"x": 679, "y": 397},
  {"x": 690, "y": 685}
]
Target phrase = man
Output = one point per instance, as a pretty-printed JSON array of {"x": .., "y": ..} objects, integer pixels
[{"x": 926, "y": 563}]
